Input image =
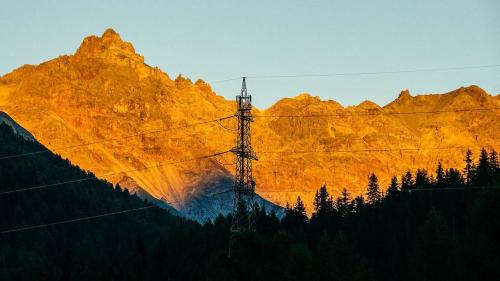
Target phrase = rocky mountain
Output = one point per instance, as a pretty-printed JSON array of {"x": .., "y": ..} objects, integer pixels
[
  {"x": 19, "y": 130},
  {"x": 105, "y": 91}
]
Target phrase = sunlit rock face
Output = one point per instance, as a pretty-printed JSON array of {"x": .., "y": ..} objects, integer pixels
[
  {"x": 357, "y": 130},
  {"x": 106, "y": 91}
]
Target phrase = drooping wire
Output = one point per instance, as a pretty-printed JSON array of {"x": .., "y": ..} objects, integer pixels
[
  {"x": 115, "y": 139},
  {"x": 452, "y": 188},
  {"x": 211, "y": 212},
  {"x": 16, "y": 190},
  {"x": 85, "y": 218},
  {"x": 226, "y": 128},
  {"x": 359, "y": 150},
  {"x": 440, "y": 69},
  {"x": 229, "y": 129},
  {"x": 77, "y": 219},
  {"x": 376, "y": 112}
]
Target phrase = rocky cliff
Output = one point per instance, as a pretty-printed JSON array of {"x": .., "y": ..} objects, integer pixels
[{"x": 106, "y": 91}]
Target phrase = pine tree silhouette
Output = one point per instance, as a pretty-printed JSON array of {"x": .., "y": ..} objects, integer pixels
[
  {"x": 440, "y": 176},
  {"x": 323, "y": 202},
  {"x": 407, "y": 181},
  {"x": 358, "y": 203},
  {"x": 373, "y": 192},
  {"x": 422, "y": 179},
  {"x": 393, "y": 187},
  {"x": 299, "y": 209},
  {"x": 454, "y": 178},
  {"x": 483, "y": 170},
  {"x": 343, "y": 203},
  {"x": 469, "y": 167},
  {"x": 494, "y": 167}
]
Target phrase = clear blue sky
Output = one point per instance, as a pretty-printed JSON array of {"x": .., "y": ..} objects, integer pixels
[{"x": 216, "y": 40}]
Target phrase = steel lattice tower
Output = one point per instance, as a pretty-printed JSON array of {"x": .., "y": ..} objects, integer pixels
[{"x": 244, "y": 185}]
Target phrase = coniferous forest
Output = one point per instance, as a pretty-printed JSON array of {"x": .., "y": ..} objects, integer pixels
[{"x": 426, "y": 225}]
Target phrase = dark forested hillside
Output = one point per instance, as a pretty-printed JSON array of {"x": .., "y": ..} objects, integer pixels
[
  {"x": 424, "y": 226},
  {"x": 118, "y": 247},
  {"x": 442, "y": 226}
]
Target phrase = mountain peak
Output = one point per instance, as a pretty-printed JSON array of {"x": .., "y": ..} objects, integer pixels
[
  {"x": 111, "y": 34},
  {"x": 109, "y": 46},
  {"x": 403, "y": 97},
  {"x": 304, "y": 96},
  {"x": 472, "y": 90},
  {"x": 367, "y": 105},
  {"x": 404, "y": 94}
]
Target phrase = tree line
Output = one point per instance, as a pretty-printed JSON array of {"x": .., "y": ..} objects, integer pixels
[
  {"x": 404, "y": 233},
  {"x": 423, "y": 227},
  {"x": 483, "y": 174}
]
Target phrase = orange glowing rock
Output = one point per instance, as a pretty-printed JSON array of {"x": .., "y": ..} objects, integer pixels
[{"x": 107, "y": 91}]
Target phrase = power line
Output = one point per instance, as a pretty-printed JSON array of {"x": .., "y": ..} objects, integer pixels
[
  {"x": 364, "y": 191},
  {"x": 107, "y": 175},
  {"x": 224, "y": 164},
  {"x": 358, "y": 150},
  {"x": 440, "y": 69},
  {"x": 212, "y": 195},
  {"x": 115, "y": 139},
  {"x": 256, "y": 116},
  {"x": 451, "y": 188},
  {"x": 408, "y": 190},
  {"x": 217, "y": 154},
  {"x": 231, "y": 116},
  {"x": 77, "y": 219},
  {"x": 379, "y": 112},
  {"x": 93, "y": 217},
  {"x": 224, "y": 80},
  {"x": 226, "y": 128},
  {"x": 222, "y": 192}
]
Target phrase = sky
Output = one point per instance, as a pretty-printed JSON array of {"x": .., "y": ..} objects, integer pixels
[{"x": 220, "y": 40}]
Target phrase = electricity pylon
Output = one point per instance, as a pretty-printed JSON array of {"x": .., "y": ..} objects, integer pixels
[{"x": 244, "y": 185}]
